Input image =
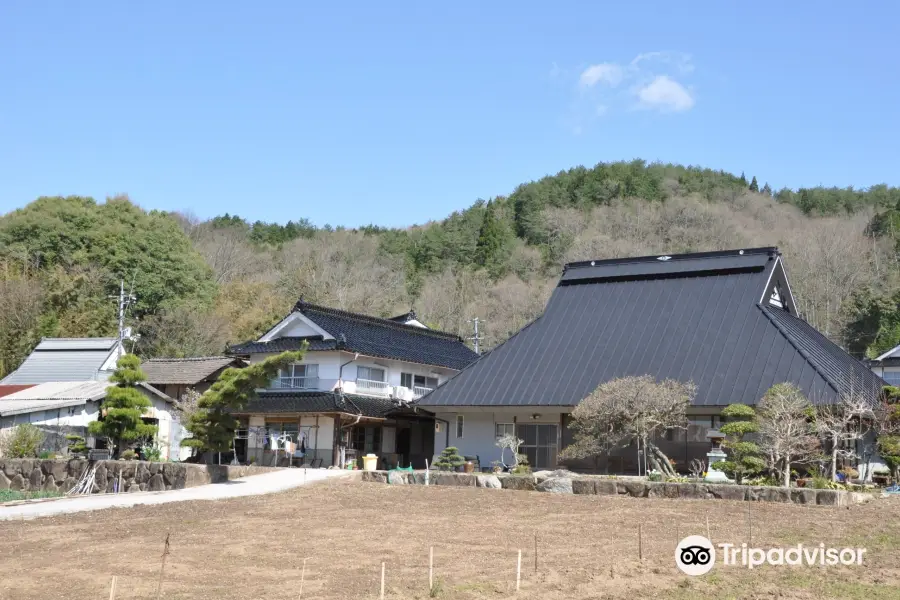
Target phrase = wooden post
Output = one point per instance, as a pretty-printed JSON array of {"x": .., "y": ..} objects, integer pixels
[
  {"x": 431, "y": 570},
  {"x": 519, "y": 571},
  {"x": 535, "y": 552},
  {"x": 708, "y": 536},
  {"x": 112, "y": 588},
  {"x": 749, "y": 522},
  {"x": 302, "y": 576},
  {"x": 640, "y": 541},
  {"x": 382, "y": 581},
  {"x": 162, "y": 569}
]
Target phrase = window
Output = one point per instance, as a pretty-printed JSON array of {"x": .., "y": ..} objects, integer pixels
[
  {"x": 370, "y": 373},
  {"x": 501, "y": 429},
  {"x": 459, "y": 426},
  {"x": 410, "y": 381},
  {"x": 298, "y": 377},
  {"x": 366, "y": 439},
  {"x": 892, "y": 377}
]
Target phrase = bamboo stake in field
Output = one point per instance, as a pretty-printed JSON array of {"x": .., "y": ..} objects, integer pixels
[
  {"x": 431, "y": 570},
  {"x": 519, "y": 571},
  {"x": 640, "y": 541},
  {"x": 302, "y": 576},
  {"x": 112, "y": 588},
  {"x": 535, "y": 552},
  {"x": 162, "y": 569},
  {"x": 382, "y": 581}
]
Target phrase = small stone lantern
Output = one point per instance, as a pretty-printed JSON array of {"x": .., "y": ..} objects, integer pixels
[{"x": 715, "y": 454}]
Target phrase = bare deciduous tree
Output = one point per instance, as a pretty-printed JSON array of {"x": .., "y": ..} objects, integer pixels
[
  {"x": 631, "y": 408},
  {"x": 843, "y": 424},
  {"x": 786, "y": 434}
]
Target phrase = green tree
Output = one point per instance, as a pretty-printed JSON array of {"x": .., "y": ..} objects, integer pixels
[
  {"x": 450, "y": 459},
  {"x": 492, "y": 248},
  {"x": 766, "y": 189},
  {"x": 24, "y": 441},
  {"x": 213, "y": 425},
  {"x": 743, "y": 179},
  {"x": 754, "y": 186},
  {"x": 122, "y": 411},
  {"x": 744, "y": 459}
]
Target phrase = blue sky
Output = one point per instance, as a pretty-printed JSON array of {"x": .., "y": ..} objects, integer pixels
[{"x": 395, "y": 113}]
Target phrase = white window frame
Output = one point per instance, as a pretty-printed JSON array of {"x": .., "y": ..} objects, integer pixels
[
  {"x": 460, "y": 426},
  {"x": 508, "y": 429},
  {"x": 368, "y": 371}
]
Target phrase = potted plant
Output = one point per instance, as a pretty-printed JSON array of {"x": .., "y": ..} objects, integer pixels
[
  {"x": 497, "y": 466},
  {"x": 881, "y": 476}
]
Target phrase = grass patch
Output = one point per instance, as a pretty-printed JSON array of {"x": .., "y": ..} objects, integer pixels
[{"x": 14, "y": 495}]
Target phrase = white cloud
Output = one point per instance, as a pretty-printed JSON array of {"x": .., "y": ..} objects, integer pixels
[
  {"x": 609, "y": 73},
  {"x": 665, "y": 94}
]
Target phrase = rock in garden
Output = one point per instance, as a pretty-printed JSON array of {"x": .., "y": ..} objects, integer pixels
[{"x": 556, "y": 485}]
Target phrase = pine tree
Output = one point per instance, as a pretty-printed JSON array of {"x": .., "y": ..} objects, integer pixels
[
  {"x": 767, "y": 190},
  {"x": 754, "y": 186},
  {"x": 212, "y": 424},
  {"x": 121, "y": 413},
  {"x": 743, "y": 178}
]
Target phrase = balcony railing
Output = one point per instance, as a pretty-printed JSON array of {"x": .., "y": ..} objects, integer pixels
[
  {"x": 419, "y": 391},
  {"x": 378, "y": 388},
  {"x": 295, "y": 383}
]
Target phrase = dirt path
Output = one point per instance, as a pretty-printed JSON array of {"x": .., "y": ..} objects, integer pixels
[
  {"x": 266, "y": 483},
  {"x": 253, "y": 547}
]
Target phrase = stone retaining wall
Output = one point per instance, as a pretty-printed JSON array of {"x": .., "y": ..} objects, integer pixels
[
  {"x": 631, "y": 487},
  {"x": 137, "y": 476}
]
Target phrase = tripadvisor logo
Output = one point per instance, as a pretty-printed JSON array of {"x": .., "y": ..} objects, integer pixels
[{"x": 696, "y": 555}]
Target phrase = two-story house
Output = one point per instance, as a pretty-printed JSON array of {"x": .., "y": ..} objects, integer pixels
[{"x": 353, "y": 393}]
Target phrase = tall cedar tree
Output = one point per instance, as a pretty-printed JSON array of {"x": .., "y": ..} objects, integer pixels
[
  {"x": 767, "y": 190},
  {"x": 491, "y": 242},
  {"x": 213, "y": 424},
  {"x": 754, "y": 185},
  {"x": 121, "y": 413},
  {"x": 743, "y": 178}
]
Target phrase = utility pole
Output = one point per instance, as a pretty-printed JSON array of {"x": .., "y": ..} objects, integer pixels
[
  {"x": 476, "y": 338},
  {"x": 124, "y": 303}
]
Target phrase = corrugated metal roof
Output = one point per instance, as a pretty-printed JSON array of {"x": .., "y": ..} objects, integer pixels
[
  {"x": 699, "y": 324},
  {"x": 57, "y": 359},
  {"x": 185, "y": 371},
  {"x": 6, "y": 390},
  {"x": 62, "y": 390}
]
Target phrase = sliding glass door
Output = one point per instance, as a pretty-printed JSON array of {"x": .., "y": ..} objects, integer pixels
[{"x": 540, "y": 445}]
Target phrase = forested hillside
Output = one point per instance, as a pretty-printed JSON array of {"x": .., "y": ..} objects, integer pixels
[{"x": 204, "y": 284}]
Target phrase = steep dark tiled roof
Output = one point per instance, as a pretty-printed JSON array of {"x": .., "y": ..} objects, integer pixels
[
  {"x": 691, "y": 317},
  {"x": 372, "y": 336},
  {"x": 185, "y": 371},
  {"x": 845, "y": 374},
  {"x": 276, "y": 402}
]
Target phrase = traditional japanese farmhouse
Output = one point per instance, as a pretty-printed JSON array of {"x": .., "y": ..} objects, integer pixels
[
  {"x": 725, "y": 320},
  {"x": 175, "y": 376},
  {"x": 353, "y": 393}
]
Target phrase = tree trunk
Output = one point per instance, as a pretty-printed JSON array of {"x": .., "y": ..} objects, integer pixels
[
  {"x": 834, "y": 453},
  {"x": 787, "y": 473},
  {"x": 660, "y": 461}
]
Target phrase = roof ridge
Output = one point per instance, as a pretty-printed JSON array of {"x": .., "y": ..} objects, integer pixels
[
  {"x": 686, "y": 256},
  {"x": 189, "y": 358},
  {"x": 301, "y": 306}
]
